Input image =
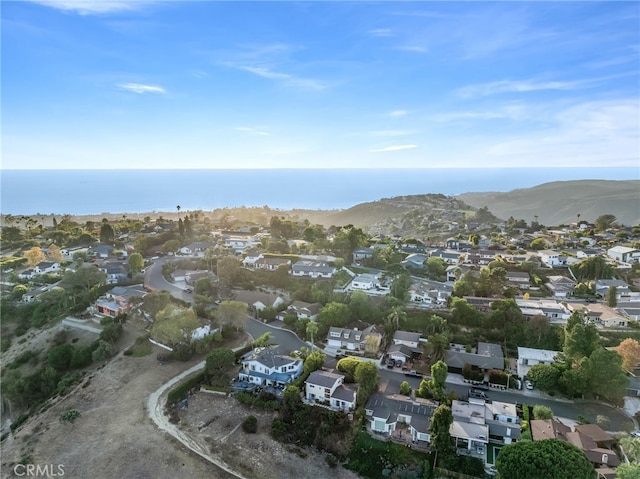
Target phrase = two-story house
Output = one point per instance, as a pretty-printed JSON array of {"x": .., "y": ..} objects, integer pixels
[
  {"x": 328, "y": 388},
  {"x": 302, "y": 310},
  {"x": 46, "y": 267},
  {"x": 560, "y": 286},
  {"x": 117, "y": 300},
  {"x": 353, "y": 339},
  {"x": 263, "y": 366}
]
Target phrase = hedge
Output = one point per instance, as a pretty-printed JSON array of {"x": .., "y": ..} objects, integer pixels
[{"x": 180, "y": 391}]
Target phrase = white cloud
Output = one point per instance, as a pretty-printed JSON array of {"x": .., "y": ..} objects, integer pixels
[
  {"x": 413, "y": 48},
  {"x": 522, "y": 86},
  {"x": 141, "y": 88},
  {"x": 394, "y": 148},
  {"x": 252, "y": 131},
  {"x": 91, "y": 7},
  {"x": 264, "y": 72},
  {"x": 380, "y": 32},
  {"x": 397, "y": 113}
]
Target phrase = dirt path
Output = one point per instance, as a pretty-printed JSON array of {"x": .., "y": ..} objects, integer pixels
[{"x": 156, "y": 406}]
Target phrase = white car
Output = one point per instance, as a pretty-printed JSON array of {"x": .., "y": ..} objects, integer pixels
[
  {"x": 528, "y": 384},
  {"x": 635, "y": 433}
]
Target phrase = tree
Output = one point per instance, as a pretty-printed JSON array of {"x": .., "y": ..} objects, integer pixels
[
  {"x": 628, "y": 471},
  {"x": 174, "y": 325},
  {"x": 263, "y": 340},
  {"x": 232, "y": 312},
  {"x": 544, "y": 376},
  {"x": 359, "y": 306},
  {"x": 405, "y": 388},
  {"x": 593, "y": 268},
  {"x": 218, "y": 362},
  {"x": 437, "y": 346},
  {"x": 203, "y": 286},
  {"x": 629, "y": 349},
  {"x": 366, "y": 375},
  {"x": 312, "y": 330},
  {"x": 107, "y": 235},
  {"x": 439, "y": 429},
  {"x": 136, "y": 262},
  {"x": 551, "y": 459},
  {"x": 439, "y": 372},
  {"x": 313, "y": 362},
  {"x": 539, "y": 244},
  {"x": 604, "y": 222},
  {"x": 436, "y": 268},
  {"x": 400, "y": 287},
  {"x": 542, "y": 412},
  {"x": 348, "y": 366},
  {"x": 54, "y": 254},
  {"x": 580, "y": 337},
  {"x": 155, "y": 301},
  {"x": 171, "y": 246},
  {"x": 333, "y": 314},
  {"x": 228, "y": 270},
  {"x": 84, "y": 279},
  {"x": 34, "y": 256},
  {"x": 59, "y": 357},
  {"x": 103, "y": 352},
  {"x": 605, "y": 375},
  {"x": 612, "y": 297}
]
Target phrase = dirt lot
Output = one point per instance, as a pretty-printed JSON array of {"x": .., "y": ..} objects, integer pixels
[{"x": 115, "y": 438}]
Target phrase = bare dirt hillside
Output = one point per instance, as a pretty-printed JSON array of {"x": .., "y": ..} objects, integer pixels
[{"x": 560, "y": 202}]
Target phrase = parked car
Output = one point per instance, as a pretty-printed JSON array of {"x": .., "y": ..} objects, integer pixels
[
  {"x": 414, "y": 374},
  {"x": 635, "y": 433},
  {"x": 478, "y": 393},
  {"x": 528, "y": 384},
  {"x": 391, "y": 364}
]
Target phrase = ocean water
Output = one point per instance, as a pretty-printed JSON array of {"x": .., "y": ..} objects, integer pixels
[{"x": 81, "y": 192}]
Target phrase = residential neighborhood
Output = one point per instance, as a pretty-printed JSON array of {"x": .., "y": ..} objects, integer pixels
[{"x": 391, "y": 333}]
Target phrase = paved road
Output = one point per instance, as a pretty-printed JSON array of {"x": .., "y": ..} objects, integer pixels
[{"x": 153, "y": 279}]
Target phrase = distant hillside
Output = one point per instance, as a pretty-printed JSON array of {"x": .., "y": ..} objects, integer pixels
[
  {"x": 406, "y": 214},
  {"x": 560, "y": 202}
]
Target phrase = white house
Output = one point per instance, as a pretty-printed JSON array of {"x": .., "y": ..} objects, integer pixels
[
  {"x": 528, "y": 357},
  {"x": 364, "y": 281},
  {"x": 263, "y": 366},
  {"x": 352, "y": 339},
  {"x": 623, "y": 254},
  {"x": 328, "y": 388},
  {"x": 46, "y": 267},
  {"x": 302, "y": 310},
  {"x": 407, "y": 338},
  {"x": 561, "y": 286},
  {"x": 552, "y": 258},
  {"x": 250, "y": 261}
]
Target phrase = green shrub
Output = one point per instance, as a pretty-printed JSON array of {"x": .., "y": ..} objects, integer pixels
[
  {"x": 180, "y": 391},
  {"x": 70, "y": 415},
  {"x": 250, "y": 425}
]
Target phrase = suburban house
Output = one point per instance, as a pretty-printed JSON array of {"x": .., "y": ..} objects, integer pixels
[
  {"x": 263, "y": 366},
  {"x": 362, "y": 253},
  {"x": 312, "y": 269},
  {"x": 428, "y": 294},
  {"x": 116, "y": 272},
  {"x": 328, "y": 388},
  {"x": 353, "y": 339},
  {"x": 386, "y": 416},
  {"x": 586, "y": 253},
  {"x": 365, "y": 281},
  {"x": 67, "y": 253},
  {"x": 555, "y": 311},
  {"x": 589, "y": 438},
  {"x": 302, "y": 310},
  {"x": 561, "y": 286},
  {"x": 469, "y": 429},
  {"x": 623, "y": 254},
  {"x": 117, "y": 300},
  {"x": 415, "y": 260},
  {"x": 412, "y": 340},
  {"x": 518, "y": 279},
  {"x": 479, "y": 302},
  {"x": 101, "y": 250},
  {"x": 32, "y": 295},
  {"x": 46, "y": 267},
  {"x": 271, "y": 264},
  {"x": 552, "y": 258},
  {"x": 602, "y": 286},
  {"x": 257, "y": 300},
  {"x": 449, "y": 256},
  {"x": 26, "y": 274},
  {"x": 601, "y": 314},
  {"x": 528, "y": 357},
  {"x": 485, "y": 357},
  {"x": 196, "y": 249},
  {"x": 250, "y": 261}
]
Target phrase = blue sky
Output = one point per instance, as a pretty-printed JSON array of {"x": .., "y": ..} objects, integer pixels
[{"x": 161, "y": 84}]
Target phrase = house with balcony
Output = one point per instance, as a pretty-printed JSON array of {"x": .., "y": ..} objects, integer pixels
[
  {"x": 265, "y": 367},
  {"x": 601, "y": 315},
  {"x": 552, "y": 258},
  {"x": 389, "y": 417},
  {"x": 328, "y": 389}
]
